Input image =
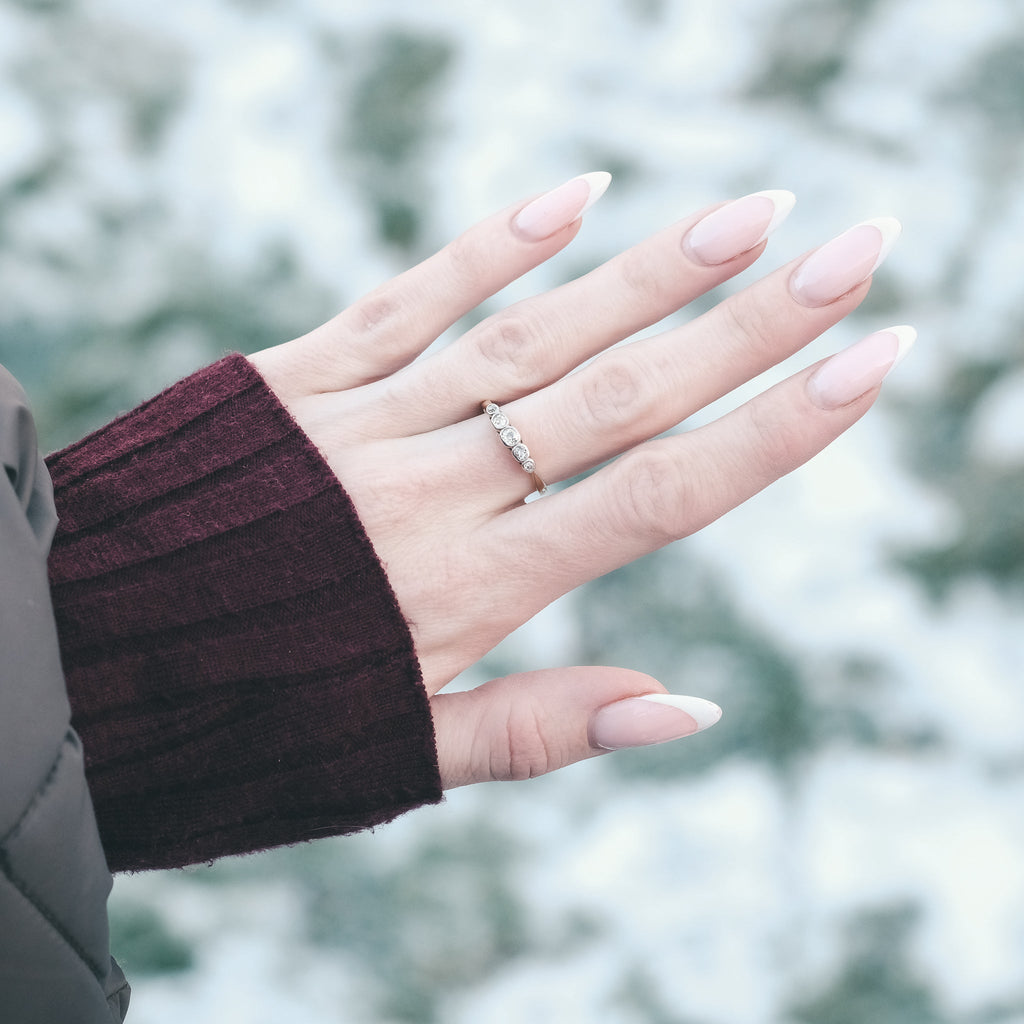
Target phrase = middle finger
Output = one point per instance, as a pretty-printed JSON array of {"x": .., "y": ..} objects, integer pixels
[
  {"x": 636, "y": 392},
  {"x": 539, "y": 340}
]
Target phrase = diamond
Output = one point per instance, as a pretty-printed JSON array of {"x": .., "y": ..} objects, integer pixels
[
  {"x": 490, "y": 408},
  {"x": 521, "y": 452},
  {"x": 510, "y": 437},
  {"x": 499, "y": 421},
  {"x": 529, "y": 465}
]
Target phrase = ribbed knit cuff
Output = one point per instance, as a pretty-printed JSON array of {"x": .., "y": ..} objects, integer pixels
[{"x": 238, "y": 667}]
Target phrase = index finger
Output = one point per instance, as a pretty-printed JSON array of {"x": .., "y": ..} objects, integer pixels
[{"x": 394, "y": 323}]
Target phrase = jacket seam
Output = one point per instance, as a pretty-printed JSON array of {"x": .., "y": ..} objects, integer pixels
[
  {"x": 125, "y": 986},
  {"x": 97, "y": 970},
  {"x": 40, "y": 792}
]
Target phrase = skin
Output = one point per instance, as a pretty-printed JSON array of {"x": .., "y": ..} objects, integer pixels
[{"x": 442, "y": 499}]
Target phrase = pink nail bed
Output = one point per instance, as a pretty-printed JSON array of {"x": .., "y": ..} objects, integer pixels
[
  {"x": 856, "y": 370},
  {"x": 652, "y": 718},
  {"x": 560, "y": 207},
  {"x": 737, "y": 227},
  {"x": 843, "y": 263}
]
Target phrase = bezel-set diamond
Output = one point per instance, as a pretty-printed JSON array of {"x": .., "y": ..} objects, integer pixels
[{"x": 510, "y": 437}]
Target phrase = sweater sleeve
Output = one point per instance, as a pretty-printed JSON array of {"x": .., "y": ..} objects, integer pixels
[{"x": 238, "y": 667}]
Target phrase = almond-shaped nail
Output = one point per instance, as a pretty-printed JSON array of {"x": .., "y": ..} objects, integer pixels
[
  {"x": 856, "y": 370},
  {"x": 842, "y": 264},
  {"x": 559, "y": 208},
  {"x": 737, "y": 227},
  {"x": 652, "y": 718}
]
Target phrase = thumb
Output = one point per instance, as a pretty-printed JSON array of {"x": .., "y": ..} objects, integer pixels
[{"x": 532, "y": 723}]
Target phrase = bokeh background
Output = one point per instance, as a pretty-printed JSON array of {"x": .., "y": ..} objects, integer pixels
[{"x": 847, "y": 845}]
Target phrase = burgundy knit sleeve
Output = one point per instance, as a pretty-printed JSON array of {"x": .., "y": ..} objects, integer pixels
[{"x": 238, "y": 666}]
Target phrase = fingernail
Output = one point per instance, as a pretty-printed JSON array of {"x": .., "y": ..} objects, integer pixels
[
  {"x": 557, "y": 209},
  {"x": 652, "y": 718},
  {"x": 856, "y": 370},
  {"x": 842, "y": 264},
  {"x": 737, "y": 227}
]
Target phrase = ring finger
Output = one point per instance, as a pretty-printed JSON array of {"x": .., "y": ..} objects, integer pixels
[{"x": 636, "y": 392}]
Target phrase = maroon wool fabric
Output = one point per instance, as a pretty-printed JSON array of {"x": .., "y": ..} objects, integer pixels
[{"x": 238, "y": 667}]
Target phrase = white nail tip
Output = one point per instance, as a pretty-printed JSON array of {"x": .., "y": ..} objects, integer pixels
[
  {"x": 890, "y": 229},
  {"x": 783, "y": 201},
  {"x": 703, "y": 712},
  {"x": 597, "y": 182},
  {"x": 905, "y": 338}
]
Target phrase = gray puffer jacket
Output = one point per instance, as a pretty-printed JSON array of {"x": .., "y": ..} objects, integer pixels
[{"x": 55, "y": 965}]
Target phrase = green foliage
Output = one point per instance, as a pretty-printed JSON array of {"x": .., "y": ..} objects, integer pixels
[
  {"x": 437, "y": 920},
  {"x": 878, "y": 981},
  {"x": 639, "y": 1000},
  {"x": 57, "y": 7},
  {"x": 988, "y": 498},
  {"x": 391, "y": 127},
  {"x": 809, "y": 48},
  {"x": 143, "y": 942},
  {"x": 652, "y": 11},
  {"x": 80, "y": 375},
  {"x": 995, "y": 88},
  {"x": 694, "y": 639}
]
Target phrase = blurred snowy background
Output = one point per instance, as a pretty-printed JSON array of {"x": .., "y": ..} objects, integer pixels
[{"x": 847, "y": 845}]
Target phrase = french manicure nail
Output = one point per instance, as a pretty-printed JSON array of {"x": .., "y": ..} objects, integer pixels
[
  {"x": 842, "y": 264},
  {"x": 737, "y": 227},
  {"x": 652, "y": 718},
  {"x": 856, "y": 370},
  {"x": 557, "y": 209}
]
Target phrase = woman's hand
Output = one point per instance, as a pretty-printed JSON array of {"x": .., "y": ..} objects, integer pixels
[{"x": 441, "y": 496}]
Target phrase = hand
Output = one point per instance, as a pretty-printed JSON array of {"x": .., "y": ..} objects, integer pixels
[{"x": 441, "y": 496}]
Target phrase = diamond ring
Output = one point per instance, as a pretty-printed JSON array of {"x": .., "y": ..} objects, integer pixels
[{"x": 512, "y": 440}]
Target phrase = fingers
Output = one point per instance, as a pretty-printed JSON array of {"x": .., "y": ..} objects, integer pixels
[
  {"x": 392, "y": 325},
  {"x": 640, "y": 390},
  {"x": 672, "y": 487},
  {"x": 436, "y": 529},
  {"x": 537, "y": 341},
  {"x": 526, "y": 725}
]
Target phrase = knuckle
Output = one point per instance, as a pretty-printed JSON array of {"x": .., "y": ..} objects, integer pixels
[
  {"x": 639, "y": 274},
  {"x": 656, "y": 498},
  {"x": 467, "y": 261},
  {"x": 775, "y": 448},
  {"x": 614, "y": 390},
  {"x": 528, "y": 753},
  {"x": 748, "y": 322},
  {"x": 511, "y": 344},
  {"x": 376, "y": 310}
]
